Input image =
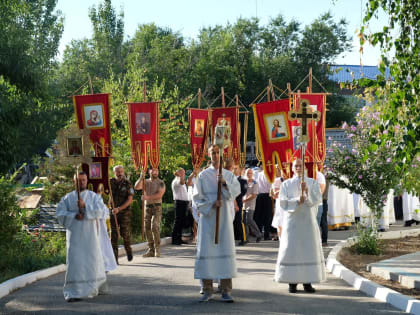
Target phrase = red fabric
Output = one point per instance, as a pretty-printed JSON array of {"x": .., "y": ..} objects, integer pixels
[
  {"x": 97, "y": 173},
  {"x": 232, "y": 116},
  {"x": 93, "y": 112},
  {"x": 143, "y": 121},
  {"x": 275, "y": 138},
  {"x": 199, "y": 130},
  {"x": 316, "y": 148}
]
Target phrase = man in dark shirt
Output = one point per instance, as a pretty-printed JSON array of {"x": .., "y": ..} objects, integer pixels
[{"x": 240, "y": 215}]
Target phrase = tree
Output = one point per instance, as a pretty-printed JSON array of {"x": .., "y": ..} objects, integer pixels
[
  {"x": 30, "y": 31},
  {"x": 398, "y": 94},
  {"x": 108, "y": 36},
  {"x": 29, "y": 37}
]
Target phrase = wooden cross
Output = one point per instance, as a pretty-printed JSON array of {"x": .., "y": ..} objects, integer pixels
[{"x": 304, "y": 114}]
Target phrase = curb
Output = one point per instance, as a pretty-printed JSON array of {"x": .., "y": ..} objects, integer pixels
[
  {"x": 398, "y": 300},
  {"x": 22, "y": 281}
]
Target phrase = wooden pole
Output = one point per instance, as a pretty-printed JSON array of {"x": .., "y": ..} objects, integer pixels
[
  {"x": 268, "y": 93},
  {"x": 90, "y": 84},
  {"x": 111, "y": 199},
  {"x": 223, "y": 97},
  {"x": 199, "y": 98},
  {"x": 143, "y": 207},
  {"x": 310, "y": 80},
  {"x": 144, "y": 91},
  {"x": 270, "y": 83},
  {"x": 219, "y": 197}
]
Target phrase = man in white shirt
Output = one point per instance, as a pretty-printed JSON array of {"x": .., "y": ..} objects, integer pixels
[
  {"x": 180, "y": 195},
  {"x": 264, "y": 206}
]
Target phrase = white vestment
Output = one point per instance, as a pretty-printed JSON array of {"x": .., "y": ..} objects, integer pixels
[
  {"x": 300, "y": 259},
  {"x": 278, "y": 212},
  {"x": 106, "y": 246},
  {"x": 340, "y": 207},
  {"x": 411, "y": 207},
  {"x": 387, "y": 215},
  {"x": 356, "y": 198},
  {"x": 85, "y": 274},
  {"x": 215, "y": 261}
]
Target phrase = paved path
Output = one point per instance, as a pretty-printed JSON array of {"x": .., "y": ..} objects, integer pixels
[
  {"x": 166, "y": 286},
  {"x": 404, "y": 269}
]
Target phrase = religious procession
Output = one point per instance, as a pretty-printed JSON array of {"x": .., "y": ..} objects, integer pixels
[{"x": 294, "y": 193}]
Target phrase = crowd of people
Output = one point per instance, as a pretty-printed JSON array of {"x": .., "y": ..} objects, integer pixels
[{"x": 237, "y": 203}]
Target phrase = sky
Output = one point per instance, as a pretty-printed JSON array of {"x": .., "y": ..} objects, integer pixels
[{"x": 189, "y": 16}]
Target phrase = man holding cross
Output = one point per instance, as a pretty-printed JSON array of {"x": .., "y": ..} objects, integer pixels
[
  {"x": 215, "y": 261},
  {"x": 300, "y": 259}
]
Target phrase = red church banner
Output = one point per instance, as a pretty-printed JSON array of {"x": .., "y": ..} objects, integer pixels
[
  {"x": 274, "y": 134},
  {"x": 199, "y": 120},
  {"x": 93, "y": 112},
  {"x": 97, "y": 173},
  {"x": 231, "y": 116},
  {"x": 143, "y": 119},
  {"x": 316, "y": 148}
]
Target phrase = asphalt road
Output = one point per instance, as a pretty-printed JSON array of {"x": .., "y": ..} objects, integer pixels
[{"x": 166, "y": 286}]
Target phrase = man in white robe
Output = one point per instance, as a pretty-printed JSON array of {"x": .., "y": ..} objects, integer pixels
[
  {"x": 301, "y": 259},
  {"x": 411, "y": 209},
  {"x": 215, "y": 261},
  {"x": 106, "y": 246},
  {"x": 85, "y": 274},
  {"x": 387, "y": 215},
  {"x": 340, "y": 208}
]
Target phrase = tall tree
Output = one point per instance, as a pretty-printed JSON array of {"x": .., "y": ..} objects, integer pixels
[
  {"x": 29, "y": 38},
  {"x": 108, "y": 37},
  {"x": 398, "y": 94}
]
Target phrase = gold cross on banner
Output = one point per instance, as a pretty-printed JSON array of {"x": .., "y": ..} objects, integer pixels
[{"x": 304, "y": 115}]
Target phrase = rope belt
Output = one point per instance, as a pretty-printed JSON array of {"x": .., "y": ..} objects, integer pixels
[{"x": 153, "y": 205}]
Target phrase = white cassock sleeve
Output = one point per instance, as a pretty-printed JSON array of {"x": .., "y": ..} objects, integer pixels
[
  {"x": 314, "y": 198},
  {"x": 67, "y": 208},
  {"x": 287, "y": 203},
  {"x": 204, "y": 202}
]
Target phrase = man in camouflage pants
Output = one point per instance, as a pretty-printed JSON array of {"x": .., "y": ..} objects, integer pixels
[
  {"x": 152, "y": 195},
  {"x": 122, "y": 193}
]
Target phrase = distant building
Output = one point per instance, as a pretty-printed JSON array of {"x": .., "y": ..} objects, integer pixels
[{"x": 348, "y": 73}]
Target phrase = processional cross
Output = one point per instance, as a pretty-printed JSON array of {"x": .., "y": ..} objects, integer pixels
[
  {"x": 303, "y": 115},
  {"x": 221, "y": 139}
]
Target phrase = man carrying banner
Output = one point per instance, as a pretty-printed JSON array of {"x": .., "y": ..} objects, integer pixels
[
  {"x": 122, "y": 194},
  {"x": 85, "y": 273},
  {"x": 300, "y": 259},
  {"x": 153, "y": 193},
  {"x": 215, "y": 261}
]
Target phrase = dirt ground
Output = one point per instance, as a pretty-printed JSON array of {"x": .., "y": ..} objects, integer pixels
[{"x": 390, "y": 248}]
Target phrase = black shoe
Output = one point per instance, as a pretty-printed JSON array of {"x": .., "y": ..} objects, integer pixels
[
  {"x": 242, "y": 243},
  {"x": 308, "y": 288},
  {"x": 408, "y": 223},
  {"x": 292, "y": 287},
  {"x": 176, "y": 243},
  {"x": 184, "y": 242},
  {"x": 129, "y": 257},
  {"x": 73, "y": 300},
  {"x": 258, "y": 239}
]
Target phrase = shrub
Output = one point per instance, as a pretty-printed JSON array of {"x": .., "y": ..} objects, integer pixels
[{"x": 367, "y": 242}]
